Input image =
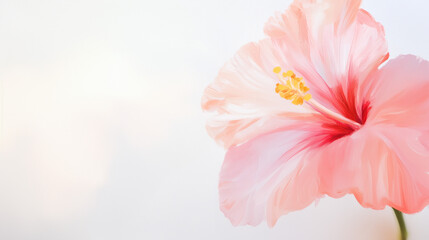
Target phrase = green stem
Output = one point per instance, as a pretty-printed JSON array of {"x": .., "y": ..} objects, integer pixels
[{"x": 401, "y": 223}]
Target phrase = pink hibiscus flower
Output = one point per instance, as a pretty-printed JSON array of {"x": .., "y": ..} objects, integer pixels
[{"x": 337, "y": 123}]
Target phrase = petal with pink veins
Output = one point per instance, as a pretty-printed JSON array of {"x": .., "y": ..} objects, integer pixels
[
  {"x": 250, "y": 173},
  {"x": 400, "y": 95},
  {"x": 334, "y": 45},
  {"x": 381, "y": 165}
]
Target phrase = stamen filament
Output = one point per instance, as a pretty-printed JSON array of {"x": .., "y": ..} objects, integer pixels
[
  {"x": 293, "y": 88},
  {"x": 325, "y": 111}
]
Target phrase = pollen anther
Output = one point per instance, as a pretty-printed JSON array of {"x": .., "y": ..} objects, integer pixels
[{"x": 291, "y": 87}]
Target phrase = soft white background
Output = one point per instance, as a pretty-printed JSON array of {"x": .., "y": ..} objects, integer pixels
[{"x": 102, "y": 136}]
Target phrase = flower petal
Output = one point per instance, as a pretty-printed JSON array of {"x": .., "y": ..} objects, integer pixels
[
  {"x": 243, "y": 99},
  {"x": 400, "y": 96},
  {"x": 334, "y": 45},
  {"x": 252, "y": 171},
  {"x": 381, "y": 165},
  {"x": 287, "y": 170}
]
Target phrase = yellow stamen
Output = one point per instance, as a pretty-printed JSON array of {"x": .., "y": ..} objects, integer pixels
[
  {"x": 289, "y": 74},
  {"x": 291, "y": 87},
  {"x": 307, "y": 97},
  {"x": 277, "y": 69}
]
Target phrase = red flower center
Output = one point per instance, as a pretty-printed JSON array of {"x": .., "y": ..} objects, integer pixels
[{"x": 347, "y": 106}]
